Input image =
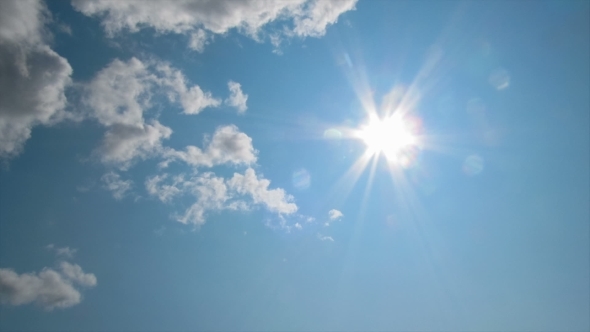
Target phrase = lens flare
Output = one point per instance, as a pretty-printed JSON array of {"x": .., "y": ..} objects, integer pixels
[{"x": 392, "y": 136}]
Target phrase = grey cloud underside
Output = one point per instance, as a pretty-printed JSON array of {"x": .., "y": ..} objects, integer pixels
[
  {"x": 33, "y": 78},
  {"x": 49, "y": 288}
]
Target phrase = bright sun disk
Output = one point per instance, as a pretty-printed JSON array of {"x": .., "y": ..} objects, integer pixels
[{"x": 390, "y": 136}]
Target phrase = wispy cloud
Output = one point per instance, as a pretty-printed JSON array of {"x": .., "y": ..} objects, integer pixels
[
  {"x": 215, "y": 193},
  {"x": 325, "y": 238},
  {"x": 65, "y": 252},
  {"x": 118, "y": 187}
]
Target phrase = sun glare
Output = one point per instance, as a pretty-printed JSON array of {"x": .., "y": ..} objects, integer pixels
[{"x": 390, "y": 136}]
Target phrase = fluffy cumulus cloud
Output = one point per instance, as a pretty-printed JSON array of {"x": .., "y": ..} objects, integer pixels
[
  {"x": 227, "y": 146},
  {"x": 33, "y": 78},
  {"x": 213, "y": 193},
  {"x": 118, "y": 187},
  {"x": 275, "y": 200},
  {"x": 118, "y": 98},
  {"x": 237, "y": 98},
  {"x": 300, "y": 18},
  {"x": 122, "y": 144},
  {"x": 49, "y": 288}
]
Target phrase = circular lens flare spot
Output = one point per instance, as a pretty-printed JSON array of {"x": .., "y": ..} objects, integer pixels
[
  {"x": 473, "y": 165},
  {"x": 301, "y": 179}
]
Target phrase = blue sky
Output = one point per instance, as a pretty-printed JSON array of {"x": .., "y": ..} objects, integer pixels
[{"x": 305, "y": 165}]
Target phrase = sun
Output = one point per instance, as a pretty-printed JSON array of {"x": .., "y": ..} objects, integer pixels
[{"x": 391, "y": 136}]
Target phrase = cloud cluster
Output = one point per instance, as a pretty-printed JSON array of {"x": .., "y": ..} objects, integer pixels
[
  {"x": 200, "y": 18},
  {"x": 214, "y": 193},
  {"x": 33, "y": 78},
  {"x": 49, "y": 288},
  {"x": 119, "y": 96}
]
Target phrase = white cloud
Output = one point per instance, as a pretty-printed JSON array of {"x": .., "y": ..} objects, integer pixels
[
  {"x": 214, "y": 193},
  {"x": 74, "y": 273},
  {"x": 120, "y": 92},
  {"x": 198, "y": 40},
  {"x": 237, "y": 98},
  {"x": 66, "y": 252},
  {"x": 309, "y": 17},
  {"x": 228, "y": 145},
  {"x": 275, "y": 200},
  {"x": 49, "y": 288},
  {"x": 33, "y": 77},
  {"x": 118, "y": 98},
  {"x": 123, "y": 144},
  {"x": 118, "y": 187},
  {"x": 298, "y": 226},
  {"x": 211, "y": 194},
  {"x": 164, "y": 192},
  {"x": 334, "y": 214},
  {"x": 193, "y": 99},
  {"x": 325, "y": 238},
  {"x": 318, "y": 15}
]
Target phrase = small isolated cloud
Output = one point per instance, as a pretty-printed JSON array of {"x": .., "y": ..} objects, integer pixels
[
  {"x": 227, "y": 146},
  {"x": 118, "y": 187},
  {"x": 237, "y": 98},
  {"x": 33, "y": 77},
  {"x": 298, "y": 226},
  {"x": 50, "y": 288},
  {"x": 325, "y": 238},
  {"x": 297, "y": 18},
  {"x": 65, "y": 252},
  {"x": 333, "y": 215}
]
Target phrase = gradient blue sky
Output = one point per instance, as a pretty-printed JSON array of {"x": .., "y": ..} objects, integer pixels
[{"x": 191, "y": 166}]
